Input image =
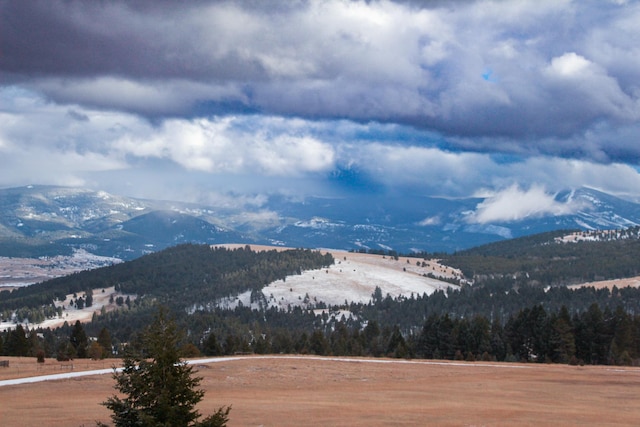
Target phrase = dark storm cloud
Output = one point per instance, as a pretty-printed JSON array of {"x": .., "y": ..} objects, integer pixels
[
  {"x": 87, "y": 39},
  {"x": 526, "y": 77}
]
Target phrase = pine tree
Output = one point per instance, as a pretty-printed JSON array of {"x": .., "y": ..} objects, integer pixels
[
  {"x": 79, "y": 340},
  {"x": 104, "y": 339},
  {"x": 16, "y": 343},
  {"x": 397, "y": 347},
  {"x": 159, "y": 388},
  {"x": 88, "y": 300},
  {"x": 211, "y": 347},
  {"x": 562, "y": 339}
]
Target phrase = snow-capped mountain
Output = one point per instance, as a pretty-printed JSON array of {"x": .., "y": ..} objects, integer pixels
[{"x": 42, "y": 220}]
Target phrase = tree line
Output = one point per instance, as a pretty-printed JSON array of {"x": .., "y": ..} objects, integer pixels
[{"x": 594, "y": 334}]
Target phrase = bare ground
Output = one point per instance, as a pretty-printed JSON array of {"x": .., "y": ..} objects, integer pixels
[
  {"x": 619, "y": 283},
  {"x": 281, "y": 391},
  {"x": 16, "y": 272}
]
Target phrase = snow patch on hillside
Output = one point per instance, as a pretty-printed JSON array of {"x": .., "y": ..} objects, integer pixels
[
  {"x": 353, "y": 278},
  {"x": 70, "y": 313},
  {"x": 600, "y": 236}
]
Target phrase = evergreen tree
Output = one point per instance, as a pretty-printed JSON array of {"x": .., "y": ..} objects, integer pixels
[
  {"x": 211, "y": 347},
  {"x": 318, "y": 343},
  {"x": 445, "y": 338},
  {"x": 481, "y": 333},
  {"x": 16, "y": 343},
  {"x": 562, "y": 339},
  {"x": 79, "y": 340},
  {"x": 397, "y": 347},
  {"x": 371, "y": 334},
  {"x": 498, "y": 345},
  {"x": 159, "y": 388},
  {"x": 104, "y": 339},
  {"x": 34, "y": 343},
  {"x": 427, "y": 341},
  {"x": 88, "y": 300},
  {"x": 339, "y": 340},
  {"x": 592, "y": 343},
  {"x": 622, "y": 348}
]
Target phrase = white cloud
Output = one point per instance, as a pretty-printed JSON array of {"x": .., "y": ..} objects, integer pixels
[
  {"x": 220, "y": 145},
  {"x": 513, "y": 204},
  {"x": 433, "y": 220},
  {"x": 422, "y": 169},
  {"x": 557, "y": 174},
  {"x": 569, "y": 64},
  {"x": 42, "y": 166}
]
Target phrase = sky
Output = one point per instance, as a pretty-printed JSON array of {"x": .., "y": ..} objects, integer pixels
[{"x": 226, "y": 102}]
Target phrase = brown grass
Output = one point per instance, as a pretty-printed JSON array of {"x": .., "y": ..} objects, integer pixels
[
  {"x": 351, "y": 392},
  {"x": 633, "y": 282}
]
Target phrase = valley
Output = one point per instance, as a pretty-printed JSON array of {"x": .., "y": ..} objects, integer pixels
[{"x": 16, "y": 272}]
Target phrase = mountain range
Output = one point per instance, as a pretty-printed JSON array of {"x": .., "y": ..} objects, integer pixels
[{"x": 47, "y": 220}]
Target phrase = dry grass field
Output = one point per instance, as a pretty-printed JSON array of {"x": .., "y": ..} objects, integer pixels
[{"x": 283, "y": 391}]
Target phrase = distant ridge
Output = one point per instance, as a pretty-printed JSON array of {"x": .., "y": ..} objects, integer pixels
[{"x": 47, "y": 220}]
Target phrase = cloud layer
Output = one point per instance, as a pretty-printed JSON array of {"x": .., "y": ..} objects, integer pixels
[
  {"x": 479, "y": 69},
  {"x": 514, "y": 204},
  {"x": 72, "y": 145},
  {"x": 448, "y": 98}
]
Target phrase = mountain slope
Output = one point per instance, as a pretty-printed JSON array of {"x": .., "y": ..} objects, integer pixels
[
  {"x": 41, "y": 220},
  {"x": 553, "y": 259},
  {"x": 432, "y": 224}
]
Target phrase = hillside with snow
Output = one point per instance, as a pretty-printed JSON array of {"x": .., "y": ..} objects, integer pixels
[{"x": 353, "y": 278}]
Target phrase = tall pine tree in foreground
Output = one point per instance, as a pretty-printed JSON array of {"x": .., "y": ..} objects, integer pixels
[{"x": 159, "y": 388}]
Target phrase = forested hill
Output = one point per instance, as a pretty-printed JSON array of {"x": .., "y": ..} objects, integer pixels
[
  {"x": 505, "y": 315},
  {"x": 179, "y": 276},
  {"x": 548, "y": 259}
]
